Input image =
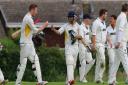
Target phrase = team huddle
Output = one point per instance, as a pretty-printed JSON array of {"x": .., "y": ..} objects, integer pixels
[{"x": 81, "y": 40}]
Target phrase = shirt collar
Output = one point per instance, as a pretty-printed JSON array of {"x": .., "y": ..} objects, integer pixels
[
  {"x": 87, "y": 26},
  {"x": 73, "y": 24},
  {"x": 123, "y": 13},
  {"x": 112, "y": 27},
  {"x": 100, "y": 20},
  {"x": 29, "y": 15}
]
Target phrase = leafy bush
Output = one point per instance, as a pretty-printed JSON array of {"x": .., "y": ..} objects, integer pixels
[
  {"x": 52, "y": 63},
  {"x": 51, "y": 60}
]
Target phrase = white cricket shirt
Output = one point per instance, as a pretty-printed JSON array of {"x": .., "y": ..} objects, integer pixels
[
  {"x": 121, "y": 25},
  {"x": 65, "y": 29},
  {"x": 111, "y": 32},
  {"x": 99, "y": 30},
  {"x": 85, "y": 33},
  {"x": 27, "y": 29}
]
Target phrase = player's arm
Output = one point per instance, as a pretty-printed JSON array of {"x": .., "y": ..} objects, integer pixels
[
  {"x": 60, "y": 31},
  {"x": 79, "y": 37},
  {"x": 55, "y": 30},
  {"x": 83, "y": 42},
  {"x": 42, "y": 27},
  {"x": 94, "y": 40},
  {"x": 33, "y": 27},
  {"x": 108, "y": 39},
  {"x": 15, "y": 34},
  {"x": 94, "y": 30}
]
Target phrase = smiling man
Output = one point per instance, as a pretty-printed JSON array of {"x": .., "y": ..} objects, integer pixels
[
  {"x": 27, "y": 50},
  {"x": 98, "y": 40}
]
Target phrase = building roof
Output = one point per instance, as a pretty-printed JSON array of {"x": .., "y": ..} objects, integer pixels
[{"x": 51, "y": 10}]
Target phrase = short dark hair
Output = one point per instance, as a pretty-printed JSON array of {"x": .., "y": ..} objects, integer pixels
[
  {"x": 87, "y": 16},
  {"x": 32, "y": 6},
  {"x": 114, "y": 16},
  {"x": 124, "y": 7},
  {"x": 102, "y": 11}
]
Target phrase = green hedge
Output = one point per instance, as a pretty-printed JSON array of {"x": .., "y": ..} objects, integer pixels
[{"x": 52, "y": 62}]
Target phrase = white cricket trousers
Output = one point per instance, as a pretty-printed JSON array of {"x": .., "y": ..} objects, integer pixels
[
  {"x": 28, "y": 52},
  {"x": 85, "y": 58},
  {"x": 111, "y": 55},
  {"x": 1, "y": 76},
  {"x": 121, "y": 57},
  {"x": 71, "y": 53},
  {"x": 100, "y": 62}
]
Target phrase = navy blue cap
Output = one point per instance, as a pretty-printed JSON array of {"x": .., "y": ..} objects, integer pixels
[
  {"x": 87, "y": 16},
  {"x": 71, "y": 14}
]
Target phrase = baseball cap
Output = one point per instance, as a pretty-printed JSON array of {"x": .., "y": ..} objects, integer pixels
[{"x": 71, "y": 14}]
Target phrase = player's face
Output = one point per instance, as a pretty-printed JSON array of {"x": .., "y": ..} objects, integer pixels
[
  {"x": 71, "y": 20},
  {"x": 127, "y": 13},
  {"x": 105, "y": 15},
  {"x": 112, "y": 21},
  {"x": 34, "y": 11},
  {"x": 87, "y": 21}
]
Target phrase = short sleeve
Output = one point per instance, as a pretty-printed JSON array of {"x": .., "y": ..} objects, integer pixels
[{"x": 94, "y": 28}]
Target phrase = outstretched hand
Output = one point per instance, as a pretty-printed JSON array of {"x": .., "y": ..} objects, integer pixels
[
  {"x": 52, "y": 28},
  {"x": 44, "y": 25}
]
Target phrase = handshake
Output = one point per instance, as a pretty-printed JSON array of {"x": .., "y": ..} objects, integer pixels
[
  {"x": 16, "y": 34},
  {"x": 71, "y": 32}
]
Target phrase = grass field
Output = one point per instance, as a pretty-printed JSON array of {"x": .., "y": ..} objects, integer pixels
[
  {"x": 121, "y": 76},
  {"x": 62, "y": 83}
]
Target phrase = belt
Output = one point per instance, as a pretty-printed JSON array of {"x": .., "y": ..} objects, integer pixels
[
  {"x": 26, "y": 43},
  {"x": 112, "y": 33},
  {"x": 87, "y": 33},
  {"x": 104, "y": 30}
]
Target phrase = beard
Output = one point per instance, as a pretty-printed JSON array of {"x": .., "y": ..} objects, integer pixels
[{"x": 104, "y": 18}]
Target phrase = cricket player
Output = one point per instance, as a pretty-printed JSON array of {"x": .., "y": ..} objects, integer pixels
[
  {"x": 71, "y": 30},
  {"x": 85, "y": 56},
  {"x": 111, "y": 42},
  {"x": 27, "y": 50},
  {"x": 2, "y": 80},
  {"x": 121, "y": 42},
  {"x": 98, "y": 40},
  {"x": 1, "y": 77}
]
